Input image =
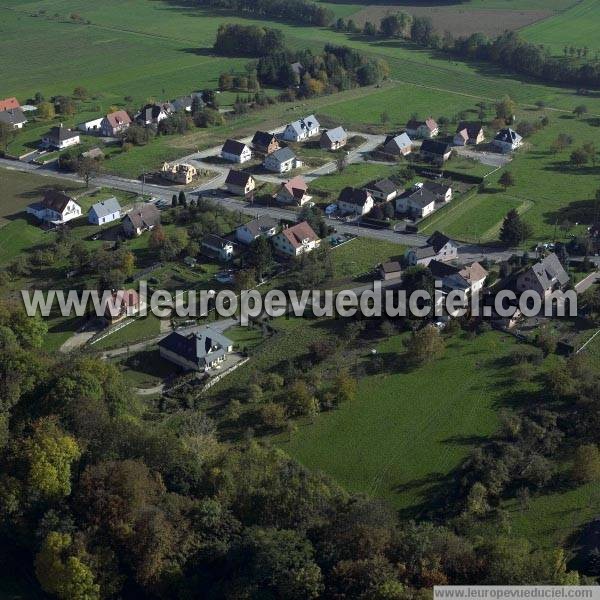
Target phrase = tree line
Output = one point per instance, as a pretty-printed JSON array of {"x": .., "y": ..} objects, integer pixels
[{"x": 296, "y": 11}]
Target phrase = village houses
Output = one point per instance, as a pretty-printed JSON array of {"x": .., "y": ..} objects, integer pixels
[
  {"x": 181, "y": 173},
  {"x": 59, "y": 138},
  {"x": 354, "y": 201},
  {"x": 13, "y": 117},
  {"x": 235, "y": 151},
  {"x": 240, "y": 183},
  {"x": 281, "y": 161},
  {"x": 142, "y": 218},
  {"x": 264, "y": 142},
  {"x": 302, "y": 129},
  {"x": 544, "y": 277},
  {"x": 217, "y": 247},
  {"x": 115, "y": 123},
  {"x": 382, "y": 190},
  {"x": 397, "y": 145},
  {"x": 333, "y": 139},
  {"x": 507, "y": 140},
  {"x": 296, "y": 240},
  {"x": 262, "y": 226},
  {"x": 469, "y": 133},
  {"x": 437, "y": 247},
  {"x": 56, "y": 208},
  {"x": 293, "y": 191},
  {"x": 422, "y": 129},
  {"x": 103, "y": 212}
]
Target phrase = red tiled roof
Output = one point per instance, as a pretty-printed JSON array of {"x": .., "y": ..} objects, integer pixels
[
  {"x": 9, "y": 104},
  {"x": 118, "y": 118},
  {"x": 298, "y": 233}
]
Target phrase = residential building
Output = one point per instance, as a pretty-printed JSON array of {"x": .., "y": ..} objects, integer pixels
[
  {"x": 296, "y": 240},
  {"x": 382, "y": 190},
  {"x": 469, "y": 133},
  {"x": 397, "y": 145},
  {"x": 13, "y": 117},
  {"x": 264, "y": 142},
  {"x": 56, "y": 208},
  {"x": 441, "y": 191},
  {"x": 422, "y": 255},
  {"x": 115, "y": 123},
  {"x": 103, "y": 212},
  {"x": 437, "y": 247},
  {"x": 122, "y": 304},
  {"x": 185, "y": 103},
  {"x": 153, "y": 114},
  {"x": 468, "y": 279},
  {"x": 235, "y": 151},
  {"x": 390, "y": 270},
  {"x": 333, "y": 139},
  {"x": 507, "y": 140},
  {"x": 217, "y": 247},
  {"x": 302, "y": 129},
  {"x": 200, "y": 351},
  {"x": 293, "y": 191},
  {"x": 59, "y": 138},
  {"x": 142, "y": 218},
  {"x": 355, "y": 201},
  {"x": 281, "y": 161},
  {"x": 262, "y": 226},
  {"x": 91, "y": 127},
  {"x": 417, "y": 203},
  {"x": 422, "y": 129},
  {"x": 181, "y": 173},
  {"x": 240, "y": 183},
  {"x": 544, "y": 277},
  {"x": 435, "y": 152},
  {"x": 9, "y": 104}
]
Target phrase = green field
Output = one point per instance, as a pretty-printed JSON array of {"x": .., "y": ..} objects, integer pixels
[{"x": 577, "y": 26}]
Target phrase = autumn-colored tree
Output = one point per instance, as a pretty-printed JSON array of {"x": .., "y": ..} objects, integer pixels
[
  {"x": 586, "y": 464},
  {"x": 128, "y": 264},
  {"x": 46, "y": 111},
  {"x": 157, "y": 237},
  {"x": 424, "y": 345}
]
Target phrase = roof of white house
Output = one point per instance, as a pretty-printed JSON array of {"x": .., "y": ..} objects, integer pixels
[
  {"x": 106, "y": 207},
  {"x": 307, "y": 123}
]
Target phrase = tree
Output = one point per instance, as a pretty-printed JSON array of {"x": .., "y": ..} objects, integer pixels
[
  {"x": 579, "y": 157},
  {"x": 7, "y": 134},
  {"x": 260, "y": 256},
  {"x": 369, "y": 29},
  {"x": 506, "y": 180},
  {"x": 424, "y": 346},
  {"x": 128, "y": 264},
  {"x": 514, "y": 230},
  {"x": 273, "y": 415},
  {"x": 182, "y": 200},
  {"x": 88, "y": 169},
  {"x": 46, "y": 111},
  {"x": 586, "y": 464},
  {"x": 505, "y": 109},
  {"x": 580, "y": 110},
  {"x": 174, "y": 201},
  {"x": 80, "y": 93},
  {"x": 49, "y": 453},
  {"x": 157, "y": 237},
  {"x": 62, "y": 573}
]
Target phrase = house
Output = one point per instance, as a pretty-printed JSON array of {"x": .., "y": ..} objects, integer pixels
[
  {"x": 543, "y": 277},
  {"x": 115, "y": 123},
  {"x": 122, "y": 304},
  {"x": 91, "y": 127},
  {"x": 185, "y": 103},
  {"x": 235, "y": 151},
  {"x": 441, "y": 191},
  {"x": 468, "y": 279},
  {"x": 262, "y": 226},
  {"x": 265, "y": 142},
  {"x": 9, "y": 104},
  {"x": 422, "y": 129},
  {"x": 199, "y": 351},
  {"x": 141, "y": 218},
  {"x": 438, "y": 247},
  {"x": 333, "y": 139},
  {"x": 390, "y": 270},
  {"x": 293, "y": 191},
  {"x": 436, "y": 152},
  {"x": 383, "y": 190},
  {"x": 302, "y": 129},
  {"x": 469, "y": 133},
  {"x": 13, "y": 117},
  {"x": 214, "y": 246},
  {"x": 181, "y": 173},
  {"x": 354, "y": 201},
  {"x": 240, "y": 183},
  {"x": 397, "y": 145},
  {"x": 296, "y": 240},
  {"x": 417, "y": 203},
  {"x": 60, "y": 137},
  {"x": 281, "y": 160},
  {"x": 104, "y": 212},
  {"x": 153, "y": 114},
  {"x": 507, "y": 140},
  {"x": 55, "y": 207}
]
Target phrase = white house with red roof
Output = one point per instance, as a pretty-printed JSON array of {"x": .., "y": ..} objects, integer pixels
[
  {"x": 296, "y": 240},
  {"x": 293, "y": 191},
  {"x": 115, "y": 123}
]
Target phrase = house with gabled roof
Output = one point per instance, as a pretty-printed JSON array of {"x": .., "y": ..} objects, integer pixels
[
  {"x": 144, "y": 217},
  {"x": 115, "y": 123},
  {"x": 507, "y": 140},
  {"x": 333, "y": 139},
  {"x": 441, "y": 190},
  {"x": 103, "y": 212},
  {"x": 122, "y": 304},
  {"x": 59, "y": 138},
  {"x": 13, "y": 117},
  {"x": 302, "y": 129},
  {"x": 235, "y": 151},
  {"x": 9, "y": 104},
  {"x": 422, "y": 129},
  {"x": 240, "y": 183},
  {"x": 262, "y": 226},
  {"x": 217, "y": 247},
  {"x": 293, "y": 191},
  {"x": 199, "y": 351},
  {"x": 185, "y": 103},
  {"x": 468, "y": 279},
  {"x": 390, "y": 270},
  {"x": 296, "y": 240},
  {"x": 265, "y": 142},
  {"x": 435, "y": 152},
  {"x": 544, "y": 277},
  {"x": 56, "y": 208},
  {"x": 469, "y": 133},
  {"x": 281, "y": 161},
  {"x": 355, "y": 201},
  {"x": 382, "y": 190},
  {"x": 153, "y": 114},
  {"x": 397, "y": 145},
  {"x": 437, "y": 247},
  {"x": 417, "y": 203}
]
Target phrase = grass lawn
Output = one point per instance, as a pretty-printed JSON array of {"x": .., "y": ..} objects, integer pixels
[
  {"x": 146, "y": 368},
  {"x": 407, "y": 431},
  {"x": 139, "y": 329},
  {"x": 247, "y": 338}
]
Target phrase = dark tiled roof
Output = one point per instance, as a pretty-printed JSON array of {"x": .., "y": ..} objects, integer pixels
[
  {"x": 200, "y": 347},
  {"x": 13, "y": 116},
  {"x": 283, "y": 154},
  {"x": 238, "y": 178},
  {"x": 56, "y": 201},
  {"x": 263, "y": 139},
  {"x": 438, "y": 240},
  {"x": 355, "y": 196},
  {"x": 233, "y": 147},
  {"x": 261, "y": 225},
  {"x": 144, "y": 216},
  {"x": 386, "y": 186},
  {"x": 435, "y": 147}
]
